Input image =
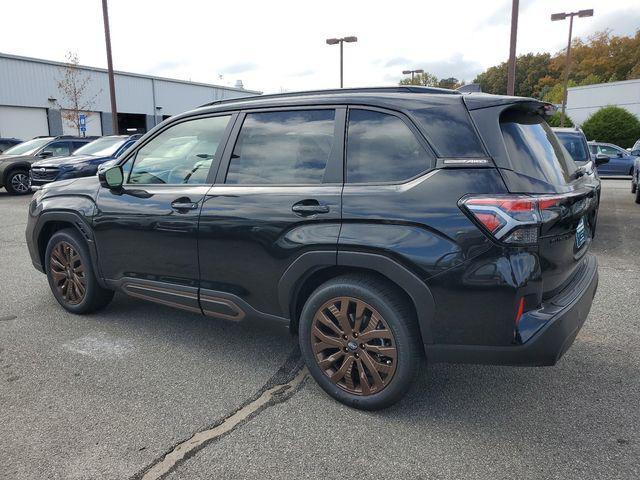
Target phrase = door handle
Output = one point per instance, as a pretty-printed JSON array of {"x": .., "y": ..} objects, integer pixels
[
  {"x": 184, "y": 204},
  {"x": 309, "y": 207}
]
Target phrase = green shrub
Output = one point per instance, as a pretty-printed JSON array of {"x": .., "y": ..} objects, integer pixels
[
  {"x": 554, "y": 120},
  {"x": 612, "y": 125}
]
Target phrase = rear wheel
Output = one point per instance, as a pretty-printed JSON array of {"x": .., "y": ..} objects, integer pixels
[
  {"x": 71, "y": 276},
  {"x": 18, "y": 182},
  {"x": 637, "y": 195},
  {"x": 634, "y": 187},
  {"x": 360, "y": 341}
]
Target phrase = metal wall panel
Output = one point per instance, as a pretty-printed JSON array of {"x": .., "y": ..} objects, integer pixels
[
  {"x": 23, "y": 122},
  {"x": 31, "y": 82},
  {"x": 586, "y": 100}
]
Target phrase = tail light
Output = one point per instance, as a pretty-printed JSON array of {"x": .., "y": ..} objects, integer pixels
[{"x": 513, "y": 219}]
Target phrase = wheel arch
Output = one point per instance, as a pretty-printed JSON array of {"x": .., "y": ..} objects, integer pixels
[
  {"x": 51, "y": 222},
  {"x": 312, "y": 269},
  {"x": 12, "y": 167}
]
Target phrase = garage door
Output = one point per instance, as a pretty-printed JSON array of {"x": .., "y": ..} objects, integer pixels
[
  {"x": 23, "y": 122},
  {"x": 94, "y": 125}
]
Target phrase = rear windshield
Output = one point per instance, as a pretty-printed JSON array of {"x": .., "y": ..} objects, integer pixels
[
  {"x": 575, "y": 144},
  {"x": 533, "y": 148}
]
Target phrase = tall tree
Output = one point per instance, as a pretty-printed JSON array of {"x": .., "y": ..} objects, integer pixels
[
  {"x": 425, "y": 79},
  {"x": 74, "y": 88}
]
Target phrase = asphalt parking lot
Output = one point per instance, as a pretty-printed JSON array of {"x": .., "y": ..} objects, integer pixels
[{"x": 109, "y": 395}]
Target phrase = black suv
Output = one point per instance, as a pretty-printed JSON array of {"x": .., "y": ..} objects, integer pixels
[
  {"x": 381, "y": 225},
  {"x": 16, "y": 161}
]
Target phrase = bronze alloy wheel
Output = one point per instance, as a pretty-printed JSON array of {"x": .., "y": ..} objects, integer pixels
[
  {"x": 68, "y": 273},
  {"x": 353, "y": 346}
]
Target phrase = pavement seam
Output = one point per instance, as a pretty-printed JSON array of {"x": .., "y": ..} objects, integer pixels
[{"x": 281, "y": 387}]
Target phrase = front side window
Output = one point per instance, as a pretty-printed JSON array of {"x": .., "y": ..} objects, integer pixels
[
  {"x": 182, "y": 154},
  {"x": 382, "y": 148},
  {"x": 59, "y": 149},
  {"x": 286, "y": 147},
  {"x": 612, "y": 152}
]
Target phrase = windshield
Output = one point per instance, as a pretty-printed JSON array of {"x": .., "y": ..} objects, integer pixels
[
  {"x": 102, "y": 147},
  {"x": 533, "y": 148},
  {"x": 575, "y": 145},
  {"x": 27, "y": 148}
]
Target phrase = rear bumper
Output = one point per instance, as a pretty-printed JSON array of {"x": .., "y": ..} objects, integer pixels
[{"x": 566, "y": 314}]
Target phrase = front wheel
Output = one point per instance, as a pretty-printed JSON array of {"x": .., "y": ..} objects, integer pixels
[
  {"x": 634, "y": 187},
  {"x": 637, "y": 195},
  {"x": 71, "y": 276},
  {"x": 360, "y": 341},
  {"x": 18, "y": 182}
]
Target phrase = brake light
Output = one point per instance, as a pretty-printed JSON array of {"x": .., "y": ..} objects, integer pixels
[{"x": 513, "y": 219}]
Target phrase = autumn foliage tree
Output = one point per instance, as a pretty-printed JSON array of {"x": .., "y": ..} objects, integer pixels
[
  {"x": 600, "y": 58},
  {"x": 74, "y": 87}
]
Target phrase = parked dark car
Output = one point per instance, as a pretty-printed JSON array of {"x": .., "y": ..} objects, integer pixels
[
  {"x": 84, "y": 162},
  {"x": 16, "y": 162},
  {"x": 380, "y": 225},
  {"x": 7, "y": 143},
  {"x": 620, "y": 161}
]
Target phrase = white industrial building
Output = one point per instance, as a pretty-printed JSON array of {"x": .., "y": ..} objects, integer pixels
[
  {"x": 30, "y": 102},
  {"x": 588, "y": 99}
]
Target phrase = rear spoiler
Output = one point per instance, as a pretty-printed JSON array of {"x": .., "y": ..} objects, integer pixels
[{"x": 476, "y": 101}]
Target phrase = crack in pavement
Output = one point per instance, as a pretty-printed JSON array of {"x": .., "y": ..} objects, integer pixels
[{"x": 280, "y": 388}]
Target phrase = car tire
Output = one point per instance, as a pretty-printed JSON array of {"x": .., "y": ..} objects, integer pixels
[
  {"x": 18, "y": 182},
  {"x": 634, "y": 187},
  {"x": 637, "y": 195},
  {"x": 370, "y": 374},
  {"x": 71, "y": 275}
]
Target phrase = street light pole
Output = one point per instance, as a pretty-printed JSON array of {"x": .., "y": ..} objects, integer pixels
[
  {"x": 511, "y": 72},
  {"x": 412, "y": 72},
  {"x": 112, "y": 85},
  {"x": 334, "y": 41},
  {"x": 567, "y": 67}
]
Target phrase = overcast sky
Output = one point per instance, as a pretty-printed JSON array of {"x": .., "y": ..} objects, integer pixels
[{"x": 280, "y": 45}]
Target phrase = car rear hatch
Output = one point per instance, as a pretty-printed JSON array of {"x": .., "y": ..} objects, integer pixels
[{"x": 551, "y": 201}]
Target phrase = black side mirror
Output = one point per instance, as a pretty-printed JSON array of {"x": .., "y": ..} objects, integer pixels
[
  {"x": 46, "y": 154},
  {"x": 601, "y": 158},
  {"x": 112, "y": 178}
]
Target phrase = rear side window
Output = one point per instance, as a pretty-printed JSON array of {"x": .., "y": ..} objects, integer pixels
[
  {"x": 575, "y": 144},
  {"x": 448, "y": 128},
  {"x": 286, "y": 147},
  {"x": 382, "y": 148},
  {"x": 533, "y": 148},
  {"x": 593, "y": 148}
]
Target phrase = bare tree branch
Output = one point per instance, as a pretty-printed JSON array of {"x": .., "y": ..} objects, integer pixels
[{"x": 74, "y": 87}]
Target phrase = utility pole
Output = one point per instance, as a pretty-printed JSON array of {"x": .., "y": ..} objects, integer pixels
[
  {"x": 112, "y": 85},
  {"x": 334, "y": 41},
  {"x": 511, "y": 72},
  {"x": 567, "y": 67}
]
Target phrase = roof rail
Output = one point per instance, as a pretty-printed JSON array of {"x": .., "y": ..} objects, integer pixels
[{"x": 333, "y": 91}]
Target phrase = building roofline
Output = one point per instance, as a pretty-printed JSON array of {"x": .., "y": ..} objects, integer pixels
[
  {"x": 605, "y": 84},
  {"x": 127, "y": 74}
]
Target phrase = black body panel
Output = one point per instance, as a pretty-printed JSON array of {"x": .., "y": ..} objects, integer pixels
[{"x": 249, "y": 250}]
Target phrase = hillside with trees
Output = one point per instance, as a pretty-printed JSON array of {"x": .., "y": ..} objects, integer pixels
[{"x": 600, "y": 58}]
